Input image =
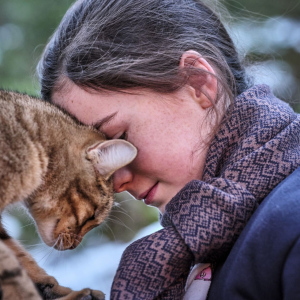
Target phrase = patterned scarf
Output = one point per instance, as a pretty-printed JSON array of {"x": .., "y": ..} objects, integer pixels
[{"x": 256, "y": 148}]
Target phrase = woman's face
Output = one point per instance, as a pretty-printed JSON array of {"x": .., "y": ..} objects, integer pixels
[{"x": 168, "y": 131}]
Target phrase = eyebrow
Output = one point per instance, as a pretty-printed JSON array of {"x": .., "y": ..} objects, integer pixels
[{"x": 104, "y": 121}]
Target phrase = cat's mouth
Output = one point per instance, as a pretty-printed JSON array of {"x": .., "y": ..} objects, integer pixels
[
  {"x": 58, "y": 240},
  {"x": 67, "y": 241}
]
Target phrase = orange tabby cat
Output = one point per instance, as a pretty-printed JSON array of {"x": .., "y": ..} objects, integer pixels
[{"x": 61, "y": 170}]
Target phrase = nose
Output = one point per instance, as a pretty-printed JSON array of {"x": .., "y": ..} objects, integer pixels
[{"x": 122, "y": 178}]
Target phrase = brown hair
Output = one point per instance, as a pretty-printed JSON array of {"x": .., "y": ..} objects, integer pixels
[{"x": 122, "y": 44}]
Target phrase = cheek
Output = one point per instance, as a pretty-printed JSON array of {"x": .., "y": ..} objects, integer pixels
[
  {"x": 172, "y": 153},
  {"x": 158, "y": 161},
  {"x": 177, "y": 163}
]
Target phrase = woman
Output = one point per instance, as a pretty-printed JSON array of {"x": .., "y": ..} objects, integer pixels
[{"x": 165, "y": 76}]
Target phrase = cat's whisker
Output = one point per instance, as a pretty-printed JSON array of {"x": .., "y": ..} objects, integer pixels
[
  {"x": 120, "y": 222},
  {"x": 30, "y": 224},
  {"x": 79, "y": 241},
  {"x": 49, "y": 251},
  {"x": 99, "y": 231},
  {"x": 123, "y": 200},
  {"x": 70, "y": 241},
  {"x": 78, "y": 238},
  {"x": 119, "y": 207},
  {"x": 78, "y": 235},
  {"x": 36, "y": 250},
  {"x": 24, "y": 242},
  {"x": 35, "y": 245},
  {"x": 106, "y": 225},
  {"x": 124, "y": 212},
  {"x": 47, "y": 255},
  {"x": 60, "y": 246},
  {"x": 57, "y": 240},
  {"x": 80, "y": 245}
]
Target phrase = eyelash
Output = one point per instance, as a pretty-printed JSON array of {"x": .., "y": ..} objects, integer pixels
[{"x": 123, "y": 136}]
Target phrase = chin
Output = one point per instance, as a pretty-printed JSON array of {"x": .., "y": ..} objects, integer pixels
[{"x": 161, "y": 209}]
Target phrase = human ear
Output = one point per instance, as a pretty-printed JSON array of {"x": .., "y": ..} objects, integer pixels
[{"x": 203, "y": 84}]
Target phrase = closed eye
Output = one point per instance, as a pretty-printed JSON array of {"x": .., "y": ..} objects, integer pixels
[
  {"x": 92, "y": 218},
  {"x": 123, "y": 136}
]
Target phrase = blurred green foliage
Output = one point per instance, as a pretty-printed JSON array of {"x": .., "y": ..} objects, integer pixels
[
  {"x": 280, "y": 21},
  {"x": 264, "y": 8},
  {"x": 25, "y": 27}
]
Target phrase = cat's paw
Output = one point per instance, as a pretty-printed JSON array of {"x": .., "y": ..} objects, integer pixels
[
  {"x": 49, "y": 288},
  {"x": 85, "y": 294}
]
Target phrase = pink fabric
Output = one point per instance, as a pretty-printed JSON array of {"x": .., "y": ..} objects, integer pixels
[{"x": 204, "y": 274}]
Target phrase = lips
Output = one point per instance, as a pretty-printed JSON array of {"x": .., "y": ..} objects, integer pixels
[{"x": 149, "y": 194}]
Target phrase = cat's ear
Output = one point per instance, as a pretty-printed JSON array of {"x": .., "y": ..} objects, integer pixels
[{"x": 109, "y": 156}]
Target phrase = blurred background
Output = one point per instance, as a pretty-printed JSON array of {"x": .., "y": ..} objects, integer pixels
[{"x": 267, "y": 34}]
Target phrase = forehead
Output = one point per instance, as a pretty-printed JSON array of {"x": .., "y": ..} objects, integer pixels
[
  {"x": 85, "y": 105},
  {"x": 91, "y": 106}
]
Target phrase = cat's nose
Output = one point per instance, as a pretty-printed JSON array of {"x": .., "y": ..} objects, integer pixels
[{"x": 122, "y": 179}]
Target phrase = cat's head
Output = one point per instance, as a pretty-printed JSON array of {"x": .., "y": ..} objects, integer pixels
[{"x": 74, "y": 200}]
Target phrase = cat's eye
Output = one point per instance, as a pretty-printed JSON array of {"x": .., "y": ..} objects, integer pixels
[{"x": 92, "y": 218}]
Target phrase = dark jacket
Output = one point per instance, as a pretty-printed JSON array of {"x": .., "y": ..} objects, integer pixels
[{"x": 265, "y": 261}]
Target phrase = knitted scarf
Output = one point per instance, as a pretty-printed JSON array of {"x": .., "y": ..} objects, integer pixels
[{"x": 257, "y": 146}]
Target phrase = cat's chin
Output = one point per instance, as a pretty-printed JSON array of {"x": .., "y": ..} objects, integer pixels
[
  {"x": 67, "y": 241},
  {"x": 46, "y": 229},
  {"x": 61, "y": 241}
]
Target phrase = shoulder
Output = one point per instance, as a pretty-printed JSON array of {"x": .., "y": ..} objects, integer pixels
[
  {"x": 259, "y": 101},
  {"x": 265, "y": 261}
]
